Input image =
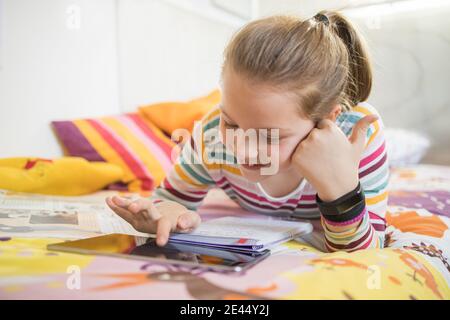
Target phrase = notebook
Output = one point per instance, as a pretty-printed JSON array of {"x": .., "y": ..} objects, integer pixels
[{"x": 243, "y": 234}]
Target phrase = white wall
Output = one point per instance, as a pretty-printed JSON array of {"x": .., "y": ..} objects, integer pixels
[
  {"x": 126, "y": 53},
  {"x": 49, "y": 71},
  {"x": 167, "y": 53},
  {"x": 412, "y": 70}
]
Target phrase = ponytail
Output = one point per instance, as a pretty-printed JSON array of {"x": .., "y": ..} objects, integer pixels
[{"x": 359, "y": 81}]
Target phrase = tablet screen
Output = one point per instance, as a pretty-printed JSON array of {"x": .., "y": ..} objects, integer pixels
[{"x": 146, "y": 248}]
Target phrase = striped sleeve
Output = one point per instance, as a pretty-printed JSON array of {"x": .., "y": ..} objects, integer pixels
[
  {"x": 364, "y": 226},
  {"x": 188, "y": 181}
]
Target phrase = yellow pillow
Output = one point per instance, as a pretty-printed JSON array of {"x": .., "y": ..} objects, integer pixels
[
  {"x": 169, "y": 116},
  {"x": 64, "y": 176}
]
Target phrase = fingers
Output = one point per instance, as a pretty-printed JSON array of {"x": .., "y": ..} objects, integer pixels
[
  {"x": 316, "y": 131},
  {"x": 127, "y": 204},
  {"x": 137, "y": 206},
  {"x": 188, "y": 220},
  {"x": 163, "y": 230},
  {"x": 152, "y": 211},
  {"x": 145, "y": 217},
  {"x": 185, "y": 222},
  {"x": 147, "y": 206},
  {"x": 324, "y": 123},
  {"x": 124, "y": 213},
  {"x": 359, "y": 132},
  {"x": 120, "y": 201}
]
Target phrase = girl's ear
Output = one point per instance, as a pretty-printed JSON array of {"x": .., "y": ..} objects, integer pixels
[{"x": 334, "y": 113}]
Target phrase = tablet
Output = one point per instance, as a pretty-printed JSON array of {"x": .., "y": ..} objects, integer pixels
[{"x": 140, "y": 248}]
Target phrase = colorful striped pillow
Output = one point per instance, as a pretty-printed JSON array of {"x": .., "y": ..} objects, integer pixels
[{"x": 128, "y": 140}]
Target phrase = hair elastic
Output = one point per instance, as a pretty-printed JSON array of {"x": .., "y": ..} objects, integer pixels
[{"x": 322, "y": 18}]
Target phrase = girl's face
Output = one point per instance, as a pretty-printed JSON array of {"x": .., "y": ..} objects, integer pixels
[{"x": 251, "y": 107}]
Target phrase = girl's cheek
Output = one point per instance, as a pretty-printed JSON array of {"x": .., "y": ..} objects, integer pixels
[
  {"x": 279, "y": 154},
  {"x": 222, "y": 132},
  {"x": 287, "y": 150},
  {"x": 222, "y": 136},
  {"x": 223, "y": 139},
  {"x": 285, "y": 154}
]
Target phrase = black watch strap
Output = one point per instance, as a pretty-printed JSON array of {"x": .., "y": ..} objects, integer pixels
[{"x": 344, "y": 208}]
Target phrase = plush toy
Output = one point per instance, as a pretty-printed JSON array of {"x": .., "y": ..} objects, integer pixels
[{"x": 63, "y": 176}]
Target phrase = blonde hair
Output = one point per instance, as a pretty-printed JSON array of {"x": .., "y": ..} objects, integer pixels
[{"x": 322, "y": 60}]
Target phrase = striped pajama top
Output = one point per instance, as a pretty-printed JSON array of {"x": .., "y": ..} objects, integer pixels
[{"x": 200, "y": 167}]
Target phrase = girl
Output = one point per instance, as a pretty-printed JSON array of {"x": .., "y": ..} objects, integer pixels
[{"x": 308, "y": 79}]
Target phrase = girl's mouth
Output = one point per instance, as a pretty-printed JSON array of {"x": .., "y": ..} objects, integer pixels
[{"x": 254, "y": 166}]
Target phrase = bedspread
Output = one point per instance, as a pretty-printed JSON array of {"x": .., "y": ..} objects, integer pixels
[{"x": 414, "y": 264}]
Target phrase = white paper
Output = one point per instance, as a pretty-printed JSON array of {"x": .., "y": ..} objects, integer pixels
[
  {"x": 262, "y": 230},
  {"x": 41, "y": 216}
]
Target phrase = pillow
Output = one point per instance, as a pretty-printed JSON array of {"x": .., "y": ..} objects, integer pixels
[
  {"x": 169, "y": 116},
  {"x": 68, "y": 176},
  {"x": 405, "y": 147},
  {"x": 128, "y": 140}
]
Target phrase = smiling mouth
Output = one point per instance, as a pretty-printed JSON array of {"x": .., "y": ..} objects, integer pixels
[{"x": 254, "y": 166}]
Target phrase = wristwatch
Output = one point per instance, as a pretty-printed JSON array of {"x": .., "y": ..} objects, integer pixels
[{"x": 344, "y": 208}]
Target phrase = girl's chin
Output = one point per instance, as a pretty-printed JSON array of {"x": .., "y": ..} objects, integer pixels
[
  {"x": 253, "y": 175},
  {"x": 259, "y": 174}
]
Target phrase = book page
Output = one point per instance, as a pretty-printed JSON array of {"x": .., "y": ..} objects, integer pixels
[{"x": 259, "y": 229}]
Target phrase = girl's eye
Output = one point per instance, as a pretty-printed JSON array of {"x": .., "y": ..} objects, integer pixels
[
  {"x": 229, "y": 125},
  {"x": 273, "y": 141}
]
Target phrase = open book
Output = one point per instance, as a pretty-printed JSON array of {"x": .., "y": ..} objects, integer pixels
[{"x": 243, "y": 233}]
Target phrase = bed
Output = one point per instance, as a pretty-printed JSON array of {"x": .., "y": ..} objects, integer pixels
[{"x": 413, "y": 265}]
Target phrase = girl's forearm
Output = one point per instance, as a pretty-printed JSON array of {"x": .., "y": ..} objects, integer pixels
[{"x": 352, "y": 235}]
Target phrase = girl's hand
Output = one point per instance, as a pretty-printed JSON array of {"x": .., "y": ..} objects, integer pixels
[
  {"x": 329, "y": 160},
  {"x": 142, "y": 214}
]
